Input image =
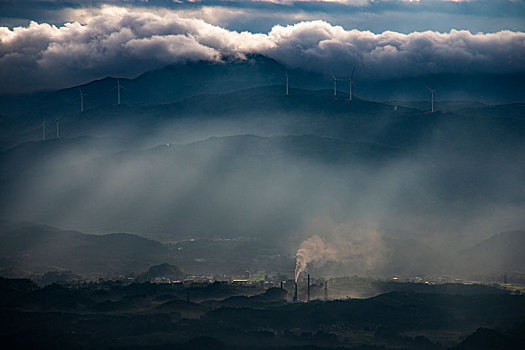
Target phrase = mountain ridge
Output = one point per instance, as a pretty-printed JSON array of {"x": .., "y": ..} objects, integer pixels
[
  {"x": 54, "y": 249},
  {"x": 125, "y": 253}
]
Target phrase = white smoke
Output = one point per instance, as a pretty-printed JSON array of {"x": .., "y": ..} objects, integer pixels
[
  {"x": 313, "y": 250},
  {"x": 357, "y": 248}
]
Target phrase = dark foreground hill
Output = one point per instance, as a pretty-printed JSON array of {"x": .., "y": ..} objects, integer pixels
[{"x": 110, "y": 315}]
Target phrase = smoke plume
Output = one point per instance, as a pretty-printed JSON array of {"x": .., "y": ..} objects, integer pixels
[
  {"x": 313, "y": 250},
  {"x": 355, "y": 248}
]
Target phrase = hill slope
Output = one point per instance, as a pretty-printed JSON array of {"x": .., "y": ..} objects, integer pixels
[
  {"x": 499, "y": 253},
  {"x": 41, "y": 248}
]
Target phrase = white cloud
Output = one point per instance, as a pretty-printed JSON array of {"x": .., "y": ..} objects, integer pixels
[{"x": 127, "y": 41}]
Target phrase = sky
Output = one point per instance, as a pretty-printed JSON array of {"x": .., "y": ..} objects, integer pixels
[{"x": 56, "y": 44}]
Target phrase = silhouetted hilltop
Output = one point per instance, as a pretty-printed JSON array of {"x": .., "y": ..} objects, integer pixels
[
  {"x": 113, "y": 314},
  {"x": 487, "y": 338},
  {"x": 266, "y": 109},
  {"x": 186, "y": 79},
  {"x": 162, "y": 271},
  {"x": 168, "y": 84},
  {"x": 271, "y": 297},
  {"x": 13, "y": 289}
]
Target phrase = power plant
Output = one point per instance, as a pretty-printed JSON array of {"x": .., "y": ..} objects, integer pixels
[{"x": 308, "y": 298}]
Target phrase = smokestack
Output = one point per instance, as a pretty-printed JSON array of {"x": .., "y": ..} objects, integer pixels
[
  {"x": 308, "y": 298},
  {"x": 325, "y": 290},
  {"x": 295, "y": 293}
]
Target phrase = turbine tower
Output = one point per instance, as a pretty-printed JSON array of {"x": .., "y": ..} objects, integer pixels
[
  {"x": 350, "y": 84},
  {"x": 118, "y": 87},
  {"x": 58, "y": 127},
  {"x": 431, "y": 98},
  {"x": 335, "y": 83},
  {"x": 44, "y": 129},
  {"x": 118, "y": 91},
  {"x": 286, "y": 83},
  {"x": 81, "y": 100}
]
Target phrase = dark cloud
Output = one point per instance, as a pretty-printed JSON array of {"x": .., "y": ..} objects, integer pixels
[{"x": 127, "y": 42}]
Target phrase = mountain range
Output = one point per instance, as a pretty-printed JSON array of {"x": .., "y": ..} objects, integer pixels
[
  {"x": 176, "y": 82},
  {"x": 29, "y": 248},
  {"x": 39, "y": 248},
  {"x": 220, "y": 151}
]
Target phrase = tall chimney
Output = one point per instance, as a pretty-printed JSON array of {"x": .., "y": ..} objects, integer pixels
[
  {"x": 325, "y": 290},
  {"x": 295, "y": 293},
  {"x": 308, "y": 287}
]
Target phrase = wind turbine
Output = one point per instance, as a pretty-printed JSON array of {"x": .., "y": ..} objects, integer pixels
[
  {"x": 118, "y": 91},
  {"x": 118, "y": 87},
  {"x": 335, "y": 83},
  {"x": 81, "y": 100},
  {"x": 431, "y": 97},
  {"x": 58, "y": 127},
  {"x": 44, "y": 129},
  {"x": 350, "y": 84},
  {"x": 286, "y": 83}
]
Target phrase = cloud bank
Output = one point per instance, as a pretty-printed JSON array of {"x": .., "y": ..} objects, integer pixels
[{"x": 126, "y": 42}]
